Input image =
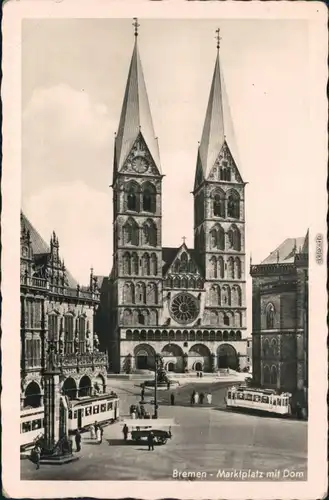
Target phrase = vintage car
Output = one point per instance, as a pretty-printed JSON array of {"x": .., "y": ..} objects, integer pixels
[{"x": 140, "y": 429}]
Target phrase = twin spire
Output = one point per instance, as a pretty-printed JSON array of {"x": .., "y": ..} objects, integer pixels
[{"x": 136, "y": 116}]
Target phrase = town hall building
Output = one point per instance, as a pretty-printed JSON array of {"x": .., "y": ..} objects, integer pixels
[{"x": 186, "y": 304}]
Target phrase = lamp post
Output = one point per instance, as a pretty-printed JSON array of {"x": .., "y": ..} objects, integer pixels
[{"x": 156, "y": 387}]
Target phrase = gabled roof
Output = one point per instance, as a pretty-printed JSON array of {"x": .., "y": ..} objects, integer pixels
[
  {"x": 218, "y": 127},
  {"x": 285, "y": 253},
  {"x": 135, "y": 116},
  {"x": 169, "y": 255},
  {"x": 40, "y": 248}
]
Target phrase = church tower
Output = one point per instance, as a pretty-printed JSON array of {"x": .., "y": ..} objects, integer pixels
[
  {"x": 137, "y": 269},
  {"x": 219, "y": 215}
]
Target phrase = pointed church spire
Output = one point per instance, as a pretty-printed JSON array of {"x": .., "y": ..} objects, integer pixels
[
  {"x": 305, "y": 244},
  {"x": 135, "y": 114},
  {"x": 218, "y": 127}
]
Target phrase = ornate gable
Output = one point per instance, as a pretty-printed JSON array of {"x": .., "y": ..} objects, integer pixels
[
  {"x": 184, "y": 264},
  {"x": 139, "y": 160},
  {"x": 225, "y": 168}
]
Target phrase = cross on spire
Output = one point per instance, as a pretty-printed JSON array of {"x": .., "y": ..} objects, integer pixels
[
  {"x": 218, "y": 38},
  {"x": 184, "y": 239},
  {"x": 136, "y": 26}
]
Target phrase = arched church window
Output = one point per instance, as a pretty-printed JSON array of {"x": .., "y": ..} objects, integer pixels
[
  {"x": 266, "y": 375},
  {"x": 238, "y": 268},
  {"x": 230, "y": 268},
  {"x": 270, "y": 314},
  {"x": 140, "y": 293},
  {"x": 148, "y": 198},
  {"x": 219, "y": 205},
  {"x": 226, "y": 295},
  {"x": 141, "y": 318},
  {"x": 226, "y": 320},
  {"x": 126, "y": 263},
  {"x": 184, "y": 282},
  {"x": 127, "y": 317},
  {"x": 274, "y": 375},
  {"x": 154, "y": 264},
  {"x": 132, "y": 197},
  {"x": 131, "y": 233},
  {"x": 213, "y": 238},
  {"x": 213, "y": 267},
  {"x": 152, "y": 293},
  {"x": 215, "y": 295},
  {"x": 134, "y": 262},
  {"x": 128, "y": 293},
  {"x": 233, "y": 206},
  {"x": 146, "y": 264},
  {"x": 234, "y": 237},
  {"x": 184, "y": 263},
  {"x": 176, "y": 282},
  {"x": 150, "y": 233},
  {"x": 220, "y": 266}
]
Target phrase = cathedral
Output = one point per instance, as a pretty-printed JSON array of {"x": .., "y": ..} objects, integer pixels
[{"x": 186, "y": 304}]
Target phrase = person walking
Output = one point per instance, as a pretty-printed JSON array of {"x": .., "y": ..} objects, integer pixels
[
  {"x": 101, "y": 430},
  {"x": 196, "y": 398},
  {"x": 168, "y": 385},
  {"x": 78, "y": 440},
  {"x": 201, "y": 398},
  {"x": 125, "y": 431},
  {"x": 172, "y": 399},
  {"x": 143, "y": 393},
  {"x": 209, "y": 398},
  {"x": 37, "y": 455},
  {"x": 193, "y": 398},
  {"x": 142, "y": 411},
  {"x": 98, "y": 434},
  {"x": 92, "y": 431},
  {"x": 133, "y": 415},
  {"x": 150, "y": 441}
]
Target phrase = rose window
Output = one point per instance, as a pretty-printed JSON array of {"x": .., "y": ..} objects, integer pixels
[{"x": 184, "y": 308}]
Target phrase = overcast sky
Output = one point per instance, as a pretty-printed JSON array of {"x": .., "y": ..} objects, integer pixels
[{"x": 73, "y": 79}]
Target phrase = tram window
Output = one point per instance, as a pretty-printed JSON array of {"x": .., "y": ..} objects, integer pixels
[
  {"x": 75, "y": 414},
  {"x": 37, "y": 424},
  {"x": 274, "y": 400},
  {"x": 240, "y": 395},
  {"x": 103, "y": 407},
  {"x": 96, "y": 409},
  {"x": 229, "y": 395},
  {"x": 70, "y": 414},
  {"x": 26, "y": 427},
  {"x": 256, "y": 398},
  {"x": 264, "y": 399},
  {"x": 109, "y": 406},
  {"x": 88, "y": 411},
  {"x": 249, "y": 397},
  {"x": 279, "y": 402}
]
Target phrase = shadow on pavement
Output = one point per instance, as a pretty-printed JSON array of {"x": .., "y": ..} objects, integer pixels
[{"x": 122, "y": 442}]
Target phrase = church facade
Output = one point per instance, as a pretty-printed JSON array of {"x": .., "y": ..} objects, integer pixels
[{"x": 186, "y": 304}]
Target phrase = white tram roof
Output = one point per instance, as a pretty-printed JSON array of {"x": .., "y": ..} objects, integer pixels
[
  {"x": 258, "y": 390},
  {"x": 149, "y": 423}
]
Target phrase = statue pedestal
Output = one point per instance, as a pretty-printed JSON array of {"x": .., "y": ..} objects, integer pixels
[{"x": 56, "y": 447}]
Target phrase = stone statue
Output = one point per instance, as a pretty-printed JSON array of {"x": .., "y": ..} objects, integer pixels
[
  {"x": 52, "y": 359},
  {"x": 96, "y": 342}
]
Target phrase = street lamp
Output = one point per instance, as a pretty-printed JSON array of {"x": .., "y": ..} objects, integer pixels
[{"x": 157, "y": 358}]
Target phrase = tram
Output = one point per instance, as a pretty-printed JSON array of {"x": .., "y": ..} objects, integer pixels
[
  {"x": 81, "y": 414},
  {"x": 264, "y": 400}
]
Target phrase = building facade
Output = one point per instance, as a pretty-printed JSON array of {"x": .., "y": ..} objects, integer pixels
[
  {"x": 56, "y": 310},
  {"x": 280, "y": 319},
  {"x": 186, "y": 304}
]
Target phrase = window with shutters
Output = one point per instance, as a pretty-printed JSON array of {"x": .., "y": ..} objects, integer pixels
[
  {"x": 53, "y": 327},
  {"x": 82, "y": 334}
]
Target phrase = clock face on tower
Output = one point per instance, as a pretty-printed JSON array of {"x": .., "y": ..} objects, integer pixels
[{"x": 140, "y": 164}]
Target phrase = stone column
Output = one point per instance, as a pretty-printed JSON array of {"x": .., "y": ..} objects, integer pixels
[{"x": 56, "y": 446}]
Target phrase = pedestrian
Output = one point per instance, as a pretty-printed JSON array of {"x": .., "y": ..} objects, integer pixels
[
  {"x": 168, "y": 385},
  {"x": 196, "y": 398},
  {"x": 101, "y": 430},
  {"x": 143, "y": 393},
  {"x": 133, "y": 415},
  {"x": 201, "y": 398},
  {"x": 142, "y": 411},
  {"x": 209, "y": 398},
  {"x": 92, "y": 431},
  {"x": 172, "y": 399},
  {"x": 37, "y": 454},
  {"x": 150, "y": 441},
  {"x": 193, "y": 398},
  {"x": 78, "y": 439},
  {"x": 298, "y": 411},
  {"x": 125, "y": 431},
  {"x": 138, "y": 412},
  {"x": 99, "y": 434}
]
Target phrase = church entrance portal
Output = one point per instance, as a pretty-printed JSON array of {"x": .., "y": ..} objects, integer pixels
[
  {"x": 171, "y": 367},
  {"x": 227, "y": 357},
  {"x": 142, "y": 363},
  {"x": 198, "y": 367}
]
